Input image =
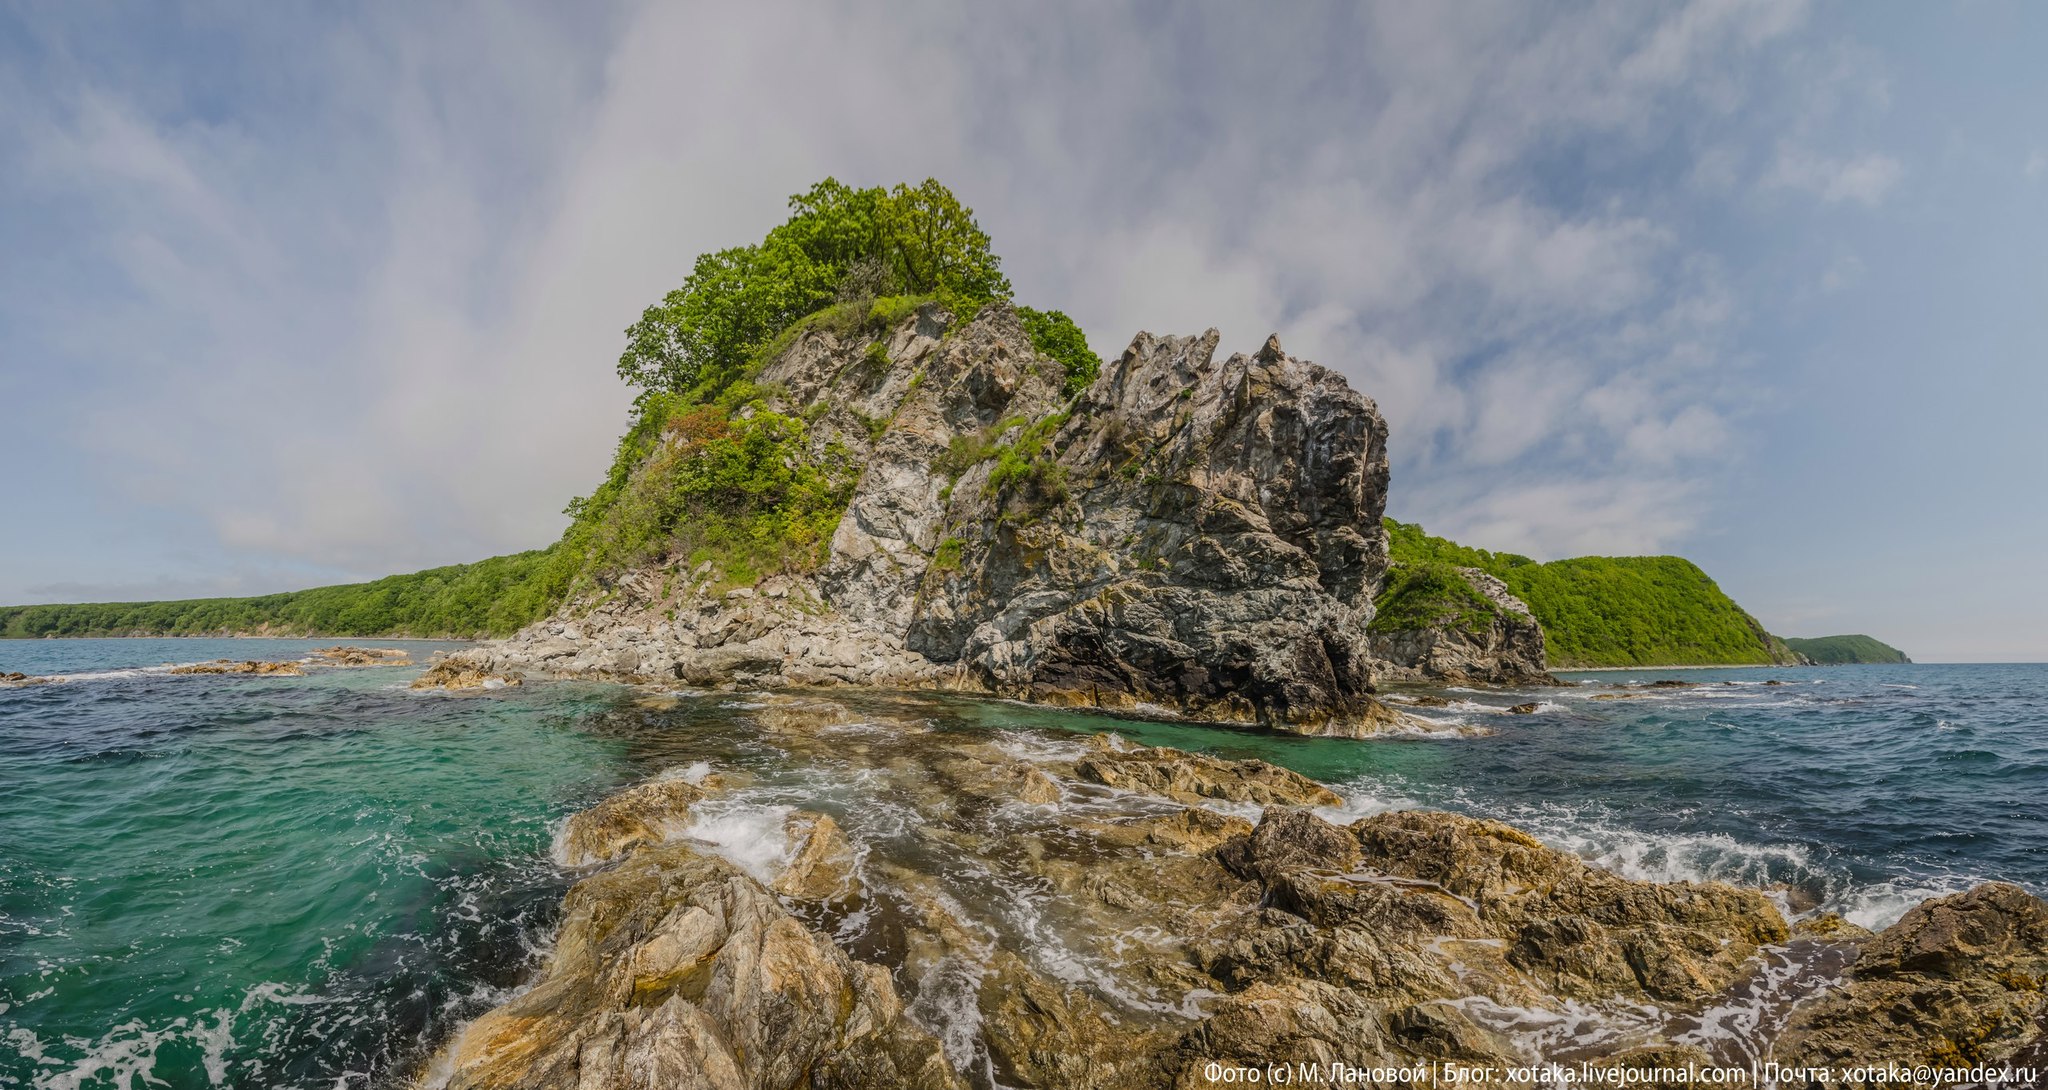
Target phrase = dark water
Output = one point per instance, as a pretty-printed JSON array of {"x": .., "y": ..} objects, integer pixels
[{"x": 255, "y": 881}]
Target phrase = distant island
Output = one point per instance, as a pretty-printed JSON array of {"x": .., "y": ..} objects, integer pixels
[{"x": 1846, "y": 650}]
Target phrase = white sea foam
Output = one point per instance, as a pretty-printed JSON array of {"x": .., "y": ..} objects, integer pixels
[
  {"x": 751, "y": 835},
  {"x": 696, "y": 772}
]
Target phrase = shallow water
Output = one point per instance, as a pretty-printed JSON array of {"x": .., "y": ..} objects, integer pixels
[{"x": 303, "y": 881}]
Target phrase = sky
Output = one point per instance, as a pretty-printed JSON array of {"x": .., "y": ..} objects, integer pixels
[{"x": 310, "y": 293}]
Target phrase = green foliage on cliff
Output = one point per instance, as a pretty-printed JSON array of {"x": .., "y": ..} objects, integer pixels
[
  {"x": 1430, "y": 594},
  {"x": 1611, "y": 610},
  {"x": 730, "y": 482},
  {"x": 1056, "y": 335},
  {"x": 839, "y": 244},
  {"x": 488, "y": 598},
  {"x": 1844, "y": 650}
]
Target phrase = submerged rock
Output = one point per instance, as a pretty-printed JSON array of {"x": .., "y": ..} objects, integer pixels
[{"x": 16, "y": 680}]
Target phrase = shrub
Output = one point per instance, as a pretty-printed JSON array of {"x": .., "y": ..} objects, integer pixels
[{"x": 1054, "y": 334}]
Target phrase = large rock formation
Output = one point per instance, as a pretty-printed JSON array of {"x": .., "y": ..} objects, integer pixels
[{"x": 1187, "y": 536}]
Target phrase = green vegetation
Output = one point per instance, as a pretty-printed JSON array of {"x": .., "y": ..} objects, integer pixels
[
  {"x": 1026, "y": 468},
  {"x": 1611, "y": 610},
  {"x": 1056, "y": 335},
  {"x": 839, "y": 244},
  {"x": 488, "y": 598},
  {"x": 1844, "y": 650},
  {"x": 1429, "y": 594},
  {"x": 692, "y": 482}
]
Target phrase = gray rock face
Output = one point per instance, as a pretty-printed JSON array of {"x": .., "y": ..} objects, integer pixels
[
  {"x": 1189, "y": 536},
  {"x": 1507, "y": 649}
]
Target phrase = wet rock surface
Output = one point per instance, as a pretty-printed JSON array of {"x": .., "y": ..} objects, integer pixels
[
  {"x": 849, "y": 892},
  {"x": 362, "y": 656},
  {"x": 457, "y": 672},
  {"x": 1957, "y": 981},
  {"x": 230, "y": 666}
]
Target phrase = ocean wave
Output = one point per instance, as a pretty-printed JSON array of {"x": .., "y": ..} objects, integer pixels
[{"x": 1793, "y": 874}]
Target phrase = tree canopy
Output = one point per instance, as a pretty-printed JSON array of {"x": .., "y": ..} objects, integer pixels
[{"x": 839, "y": 243}]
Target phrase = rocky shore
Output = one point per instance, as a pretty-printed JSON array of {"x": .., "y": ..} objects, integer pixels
[{"x": 1018, "y": 909}]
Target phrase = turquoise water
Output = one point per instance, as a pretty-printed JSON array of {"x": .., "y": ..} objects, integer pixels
[{"x": 305, "y": 882}]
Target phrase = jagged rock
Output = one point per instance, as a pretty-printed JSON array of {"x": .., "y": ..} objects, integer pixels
[
  {"x": 16, "y": 680},
  {"x": 1957, "y": 981},
  {"x": 229, "y": 666},
  {"x": 1500, "y": 644},
  {"x": 457, "y": 672},
  {"x": 1130, "y": 937},
  {"x": 1194, "y": 777},
  {"x": 676, "y": 970},
  {"x": 821, "y": 867},
  {"x": 363, "y": 656},
  {"x": 1530, "y": 708},
  {"x": 1574, "y": 930},
  {"x": 646, "y": 814},
  {"x": 1188, "y": 537}
]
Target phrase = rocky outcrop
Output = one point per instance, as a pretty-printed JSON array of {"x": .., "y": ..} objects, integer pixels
[
  {"x": 1478, "y": 633},
  {"x": 1958, "y": 981},
  {"x": 676, "y": 970},
  {"x": 462, "y": 671},
  {"x": 362, "y": 656},
  {"x": 230, "y": 666},
  {"x": 1189, "y": 536},
  {"x": 15, "y": 679}
]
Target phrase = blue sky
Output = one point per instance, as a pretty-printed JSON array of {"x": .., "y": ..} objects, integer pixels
[{"x": 325, "y": 292}]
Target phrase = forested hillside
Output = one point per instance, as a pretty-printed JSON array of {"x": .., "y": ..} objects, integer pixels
[
  {"x": 1844, "y": 650},
  {"x": 488, "y": 598},
  {"x": 1613, "y": 610}
]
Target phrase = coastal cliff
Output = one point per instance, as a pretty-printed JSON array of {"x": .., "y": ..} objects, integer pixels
[{"x": 1185, "y": 535}]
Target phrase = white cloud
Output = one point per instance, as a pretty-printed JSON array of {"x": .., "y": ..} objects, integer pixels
[
  {"x": 1864, "y": 179},
  {"x": 380, "y": 336}
]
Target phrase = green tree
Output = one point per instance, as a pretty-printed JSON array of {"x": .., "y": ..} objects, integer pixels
[{"x": 839, "y": 243}]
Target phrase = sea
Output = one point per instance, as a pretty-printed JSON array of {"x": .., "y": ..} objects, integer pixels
[{"x": 270, "y": 881}]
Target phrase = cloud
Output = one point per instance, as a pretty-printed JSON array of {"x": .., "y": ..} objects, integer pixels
[
  {"x": 1864, "y": 179},
  {"x": 369, "y": 325},
  {"x": 2036, "y": 166}
]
